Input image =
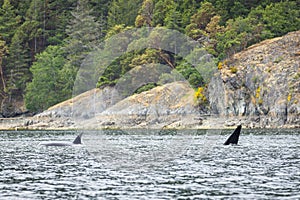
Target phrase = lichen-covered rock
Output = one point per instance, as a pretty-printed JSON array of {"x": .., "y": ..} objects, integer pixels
[
  {"x": 258, "y": 87},
  {"x": 266, "y": 83},
  {"x": 170, "y": 105},
  {"x": 167, "y": 106}
]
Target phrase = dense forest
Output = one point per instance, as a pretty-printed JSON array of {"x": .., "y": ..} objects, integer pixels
[{"x": 43, "y": 42}]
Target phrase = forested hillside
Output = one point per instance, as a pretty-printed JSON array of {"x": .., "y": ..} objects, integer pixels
[{"x": 43, "y": 43}]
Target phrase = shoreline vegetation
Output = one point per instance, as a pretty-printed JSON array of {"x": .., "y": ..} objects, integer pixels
[
  {"x": 248, "y": 71},
  {"x": 256, "y": 97}
]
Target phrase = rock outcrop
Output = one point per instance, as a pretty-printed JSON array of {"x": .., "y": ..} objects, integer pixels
[
  {"x": 259, "y": 87},
  {"x": 261, "y": 84},
  {"x": 167, "y": 106}
]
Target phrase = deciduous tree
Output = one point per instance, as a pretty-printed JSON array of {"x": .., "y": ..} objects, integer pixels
[{"x": 45, "y": 89}]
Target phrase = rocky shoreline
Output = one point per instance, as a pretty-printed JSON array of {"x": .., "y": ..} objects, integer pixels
[
  {"x": 258, "y": 88},
  {"x": 206, "y": 122}
]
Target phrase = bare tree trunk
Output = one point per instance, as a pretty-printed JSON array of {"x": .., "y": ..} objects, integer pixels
[
  {"x": 3, "y": 51},
  {"x": 2, "y": 75}
]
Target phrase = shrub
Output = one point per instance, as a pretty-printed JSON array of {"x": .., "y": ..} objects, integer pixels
[
  {"x": 257, "y": 93},
  {"x": 220, "y": 65},
  {"x": 146, "y": 87},
  {"x": 199, "y": 95},
  {"x": 289, "y": 97},
  {"x": 233, "y": 70}
]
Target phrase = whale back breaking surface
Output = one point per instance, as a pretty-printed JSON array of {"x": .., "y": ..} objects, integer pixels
[
  {"x": 234, "y": 137},
  {"x": 61, "y": 144},
  {"x": 58, "y": 143}
]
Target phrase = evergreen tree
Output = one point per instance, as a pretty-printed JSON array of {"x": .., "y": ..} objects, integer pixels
[
  {"x": 145, "y": 14},
  {"x": 199, "y": 21},
  {"x": 187, "y": 8},
  {"x": 34, "y": 27},
  {"x": 166, "y": 14},
  {"x": 18, "y": 64},
  {"x": 83, "y": 36},
  {"x": 123, "y": 12},
  {"x": 100, "y": 11},
  {"x": 57, "y": 14},
  {"x": 9, "y": 21},
  {"x": 281, "y": 18},
  {"x": 21, "y": 7},
  {"x": 173, "y": 18},
  {"x": 45, "y": 88},
  {"x": 213, "y": 30}
]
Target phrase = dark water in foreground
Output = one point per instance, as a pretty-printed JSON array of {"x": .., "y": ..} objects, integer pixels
[{"x": 265, "y": 165}]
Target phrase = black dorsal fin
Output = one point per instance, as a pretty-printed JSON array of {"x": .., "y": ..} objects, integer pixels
[
  {"x": 234, "y": 137},
  {"x": 78, "y": 139}
]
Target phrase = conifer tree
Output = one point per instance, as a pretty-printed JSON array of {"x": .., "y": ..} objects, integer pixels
[
  {"x": 45, "y": 88},
  {"x": 34, "y": 27},
  {"x": 123, "y": 12},
  {"x": 18, "y": 65},
  {"x": 8, "y": 21},
  {"x": 173, "y": 18},
  {"x": 145, "y": 14},
  {"x": 56, "y": 17},
  {"x": 83, "y": 36},
  {"x": 161, "y": 10}
]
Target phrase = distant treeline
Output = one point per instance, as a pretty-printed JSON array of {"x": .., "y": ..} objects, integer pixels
[{"x": 44, "y": 42}]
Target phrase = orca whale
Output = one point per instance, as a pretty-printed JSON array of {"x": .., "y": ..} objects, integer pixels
[
  {"x": 59, "y": 143},
  {"x": 234, "y": 137}
]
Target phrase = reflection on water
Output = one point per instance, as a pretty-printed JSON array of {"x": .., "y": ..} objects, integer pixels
[{"x": 265, "y": 164}]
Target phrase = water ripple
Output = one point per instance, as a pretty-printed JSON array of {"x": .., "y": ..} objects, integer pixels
[{"x": 262, "y": 167}]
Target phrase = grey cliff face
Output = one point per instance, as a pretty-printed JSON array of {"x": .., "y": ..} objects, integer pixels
[
  {"x": 262, "y": 82},
  {"x": 260, "y": 85}
]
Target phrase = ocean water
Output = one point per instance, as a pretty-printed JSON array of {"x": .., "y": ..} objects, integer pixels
[{"x": 144, "y": 164}]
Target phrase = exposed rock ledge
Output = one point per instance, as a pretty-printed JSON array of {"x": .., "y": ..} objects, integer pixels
[
  {"x": 261, "y": 83},
  {"x": 168, "y": 106},
  {"x": 165, "y": 107},
  {"x": 259, "y": 87}
]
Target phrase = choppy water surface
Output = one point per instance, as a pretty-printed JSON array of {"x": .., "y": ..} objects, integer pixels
[{"x": 265, "y": 165}]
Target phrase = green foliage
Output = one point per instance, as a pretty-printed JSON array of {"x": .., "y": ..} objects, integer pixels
[
  {"x": 146, "y": 87},
  {"x": 199, "y": 21},
  {"x": 145, "y": 14},
  {"x": 223, "y": 27},
  {"x": 19, "y": 61},
  {"x": 83, "y": 37},
  {"x": 191, "y": 74},
  {"x": 110, "y": 75},
  {"x": 45, "y": 89},
  {"x": 281, "y": 18},
  {"x": 125, "y": 63},
  {"x": 203, "y": 15},
  {"x": 9, "y": 21},
  {"x": 123, "y": 12},
  {"x": 56, "y": 18}
]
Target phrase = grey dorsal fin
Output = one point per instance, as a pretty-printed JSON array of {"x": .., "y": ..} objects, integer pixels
[
  {"x": 78, "y": 139},
  {"x": 234, "y": 137}
]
